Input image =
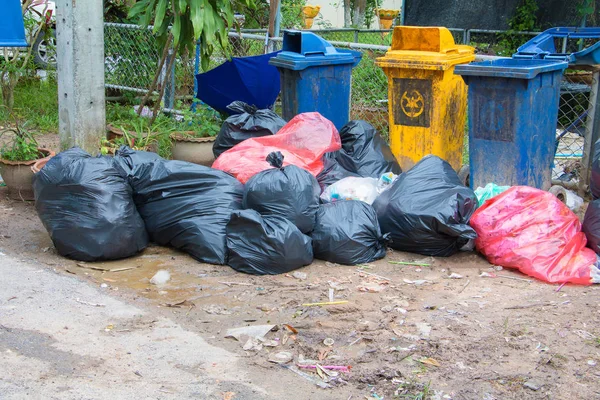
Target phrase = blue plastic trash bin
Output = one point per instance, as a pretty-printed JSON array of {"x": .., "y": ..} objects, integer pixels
[
  {"x": 12, "y": 31},
  {"x": 513, "y": 108},
  {"x": 315, "y": 76},
  {"x": 544, "y": 46}
]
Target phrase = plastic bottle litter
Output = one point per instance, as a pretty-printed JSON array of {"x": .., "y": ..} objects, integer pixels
[
  {"x": 161, "y": 277},
  {"x": 573, "y": 201},
  {"x": 385, "y": 181},
  {"x": 352, "y": 188}
]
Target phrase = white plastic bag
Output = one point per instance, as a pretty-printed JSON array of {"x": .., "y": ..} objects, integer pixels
[{"x": 352, "y": 188}]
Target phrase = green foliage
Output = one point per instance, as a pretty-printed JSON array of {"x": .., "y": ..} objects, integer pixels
[
  {"x": 524, "y": 20},
  {"x": 116, "y": 11},
  {"x": 22, "y": 146},
  {"x": 257, "y": 15},
  {"x": 189, "y": 20},
  {"x": 36, "y": 102}
]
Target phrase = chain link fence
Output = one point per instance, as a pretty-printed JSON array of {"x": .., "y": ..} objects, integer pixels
[{"x": 132, "y": 57}]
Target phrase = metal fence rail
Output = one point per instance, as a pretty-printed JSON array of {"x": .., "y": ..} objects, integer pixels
[{"x": 132, "y": 56}]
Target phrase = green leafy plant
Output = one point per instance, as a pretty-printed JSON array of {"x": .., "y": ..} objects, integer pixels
[
  {"x": 524, "y": 20},
  {"x": 22, "y": 146},
  {"x": 181, "y": 23},
  {"x": 14, "y": 63}
]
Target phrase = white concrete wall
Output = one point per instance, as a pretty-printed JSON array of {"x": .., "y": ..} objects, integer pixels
[{"x": 333, "y": 12}]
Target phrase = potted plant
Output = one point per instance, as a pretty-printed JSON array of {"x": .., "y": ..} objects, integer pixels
[
  {"x": 386, "y": 18},
  {"x": 196, "y": 145},
  {"x": 309, "y": 13},
  {"x": 17, "y": 156}
]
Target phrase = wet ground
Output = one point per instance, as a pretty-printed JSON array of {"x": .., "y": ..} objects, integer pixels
[{"x": 440, "y": 328}]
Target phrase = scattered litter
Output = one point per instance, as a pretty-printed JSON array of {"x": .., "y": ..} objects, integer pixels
[
  {"x": 300, "y": 275},
  {"x": 465, "y": 286},
  {"x": 343, "y": 368},
  {"x": 228, "y": 395},
  {"x": 328, "y": 342},
  {"x": 96, "y": 268},
  {"x": 253, "y": 331},
  {"x": 103, "y": 285},
  {"x": 236, "y": 283},
  {"x": 282, "y": 357},
  {"x": 533, "y": 385},
  {"x": 372, "y": 274},
  {"x": 291, "y": 328},
  {"x": 560, "y": 287},
  {"x": 179, "y": 304},
  {"x": 371, "y": 288},
  {"x": 424, "y": 329},
  {"x": 216, "y": 309},
  {"x": 591, "y": 363},
  {"x": 573, "y": 201},
  {"x": 309, "y": 378},
  {"x": 253, "y": 344},
  {"x": 325, "y": 303},
  {"x": 454, "y": 275},
  {"x": 351, "y": 188},
  {"x": 331, "y": 294},
  {"x": 161, "y": 277},
  {"x": 87, "y": 303},
  {"x": 418, "y": 282},
  {"x": 430, "y": 361},
  {"x": 417, "y": 264},
  {"x": 487, "y": 275},
  {"x": 514, "y": 278}
]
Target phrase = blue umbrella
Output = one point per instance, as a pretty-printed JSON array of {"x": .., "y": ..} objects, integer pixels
[{"x": 248, "y": 79}]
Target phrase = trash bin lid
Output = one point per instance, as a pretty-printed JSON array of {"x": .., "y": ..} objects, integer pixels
[
  {"x": 305, "y": 49},
  {"x": 510, "y": 68},
  {"x": 431, "y": 48},
  {"x": 12, "y": 30},
  {"x": 543, "y": 46}
]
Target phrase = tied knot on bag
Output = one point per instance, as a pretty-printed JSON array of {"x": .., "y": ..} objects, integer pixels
[
  {"x": 275, "y": 160},
  {"x": 386, "y": 238},
  {"x": 241, "y": 107}
]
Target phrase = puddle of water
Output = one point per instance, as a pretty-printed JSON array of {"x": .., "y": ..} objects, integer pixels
[{"x": 183, "y": 285}]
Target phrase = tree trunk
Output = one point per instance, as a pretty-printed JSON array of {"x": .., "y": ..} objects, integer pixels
[
  {"x": 360, "y": 7},
  {"x": 347, "y": 14}
]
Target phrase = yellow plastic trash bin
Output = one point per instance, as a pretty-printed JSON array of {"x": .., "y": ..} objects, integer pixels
[{"x": 427, "y": 102}]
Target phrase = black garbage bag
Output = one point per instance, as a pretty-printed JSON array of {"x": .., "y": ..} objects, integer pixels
[
  {"x": 365, "y": 152},
  {"x": 595, "y": 177},
  {"x": 347, "y": 232},
  {"x": 289, "y": 192},
  {"x": 427, "y": 210},
  {"x": 332, "y": 171},
  {"x": 187, "y": 206},
  {"x": 265, "y": 245},
  {"x": 251, "y": 122},
  {"x": 87, "y": 208},
  {"x": 128, "y": 159},
  {"x": 591, "y": 226}
]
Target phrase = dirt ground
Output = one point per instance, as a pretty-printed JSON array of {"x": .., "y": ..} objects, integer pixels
[{"x": 406, "y": 331}]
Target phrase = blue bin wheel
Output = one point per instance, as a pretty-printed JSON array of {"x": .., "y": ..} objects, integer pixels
[
  {"x": 464, "y": 174},
  {"x": 559, "y": 192}
]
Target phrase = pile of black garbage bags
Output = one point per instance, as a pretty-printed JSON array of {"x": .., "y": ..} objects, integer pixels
[{"x": 106, "y": 208}]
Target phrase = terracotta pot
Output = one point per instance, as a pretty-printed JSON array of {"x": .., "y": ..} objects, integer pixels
[
  {"x": 113, "y": 133},
  {"x": 18, "y": 176},
  {"x": 309, "y": 13},
  {"x": 192, "y": 149}
]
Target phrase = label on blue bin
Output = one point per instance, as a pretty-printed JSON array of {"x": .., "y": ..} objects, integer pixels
[
  {"x": 412, "y": 102},
  {"x": 493, "y": 114}
]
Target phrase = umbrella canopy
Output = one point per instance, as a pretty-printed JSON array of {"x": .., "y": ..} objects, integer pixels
[{"x": 248, "y": 79}]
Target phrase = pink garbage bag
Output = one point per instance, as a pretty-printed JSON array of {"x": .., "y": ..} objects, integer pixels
[
  {"x": 303, "y": 141},
  {"x": 532, "y": 231}
]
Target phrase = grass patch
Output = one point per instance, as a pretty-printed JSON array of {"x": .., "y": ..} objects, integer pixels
[
  {"x": 413, "y": 391},
  {"x": 36, "y": 102}
]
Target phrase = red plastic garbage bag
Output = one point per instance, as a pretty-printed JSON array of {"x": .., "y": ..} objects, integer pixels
[
  {"x": 303, "y": 141},
  {"x": 532, "y": 231}
]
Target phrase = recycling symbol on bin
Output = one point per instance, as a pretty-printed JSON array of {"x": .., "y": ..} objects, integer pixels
[{"x": 412, "y": 103}]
